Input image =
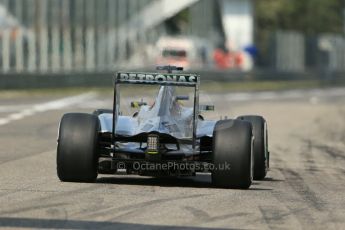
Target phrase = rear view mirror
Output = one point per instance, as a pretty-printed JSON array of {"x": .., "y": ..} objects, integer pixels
[
  {"x": 182, "y": 98},
  {"x": 206, "y": 108},
  {"x": 137, "y": 104}
]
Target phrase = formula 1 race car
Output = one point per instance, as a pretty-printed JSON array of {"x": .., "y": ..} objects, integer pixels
[{"x": 164, "y": 138}]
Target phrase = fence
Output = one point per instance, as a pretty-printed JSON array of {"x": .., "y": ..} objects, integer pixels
[
  {"x": 332, "y": 48},
  {"x": 65, "y": 35},
  {"x": 295, "y": 52},
  {"x": 57, "y": 36},
  {"x": 289, "y": 51}
]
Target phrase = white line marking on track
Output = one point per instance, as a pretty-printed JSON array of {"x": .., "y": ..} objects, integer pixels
[
  {"x": 46, "y": 106},
  {"x": 13, "y": 108}
]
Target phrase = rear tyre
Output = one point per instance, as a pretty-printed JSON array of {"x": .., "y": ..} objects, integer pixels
[
  {"x": 77, "y": 156},
  {"x": 232, "y": 146},
  {"x": 260, "y": 149}
]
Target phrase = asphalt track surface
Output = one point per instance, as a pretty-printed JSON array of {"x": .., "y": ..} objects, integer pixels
[{"x": 304, "y": 188}]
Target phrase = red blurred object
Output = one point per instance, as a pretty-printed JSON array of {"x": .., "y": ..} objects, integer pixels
[
  {"x": 222, "y": 59},
  {"x": 227, "y": 60}
]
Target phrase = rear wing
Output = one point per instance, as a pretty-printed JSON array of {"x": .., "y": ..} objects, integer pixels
[{"x": 189, "y": 80}]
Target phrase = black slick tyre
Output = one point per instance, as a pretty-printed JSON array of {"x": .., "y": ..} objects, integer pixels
[
  {"x": 77, "y": 157},
  {"x": 232, "y": 146},
  {"x": 260, "y": 149}
]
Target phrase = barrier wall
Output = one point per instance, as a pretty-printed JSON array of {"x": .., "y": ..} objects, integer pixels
[{"x": 105, "y": 79}]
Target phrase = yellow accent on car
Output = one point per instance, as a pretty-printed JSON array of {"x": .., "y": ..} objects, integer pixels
[{"x": 152, "y": 152}]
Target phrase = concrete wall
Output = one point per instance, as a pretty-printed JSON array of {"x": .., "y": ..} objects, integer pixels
[{"x": 238, "y": 22}]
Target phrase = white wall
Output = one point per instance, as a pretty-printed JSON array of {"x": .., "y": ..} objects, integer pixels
[{"x": 238, "y": 22}]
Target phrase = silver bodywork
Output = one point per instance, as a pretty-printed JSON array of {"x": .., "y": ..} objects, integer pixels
[{"x": 167, "y": 116}]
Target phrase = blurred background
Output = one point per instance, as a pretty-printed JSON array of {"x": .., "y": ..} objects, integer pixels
[
  {"x": 224, "y": 39},
  {"x": 282, "y": 59}
]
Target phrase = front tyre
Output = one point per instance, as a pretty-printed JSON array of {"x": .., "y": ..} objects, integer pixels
[
  {"x": 232, "y": 145},
  {"x": 77, "y": 156}
]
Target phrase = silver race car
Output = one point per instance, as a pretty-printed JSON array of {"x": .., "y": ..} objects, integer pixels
[{"x": 164, "y": 138}]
